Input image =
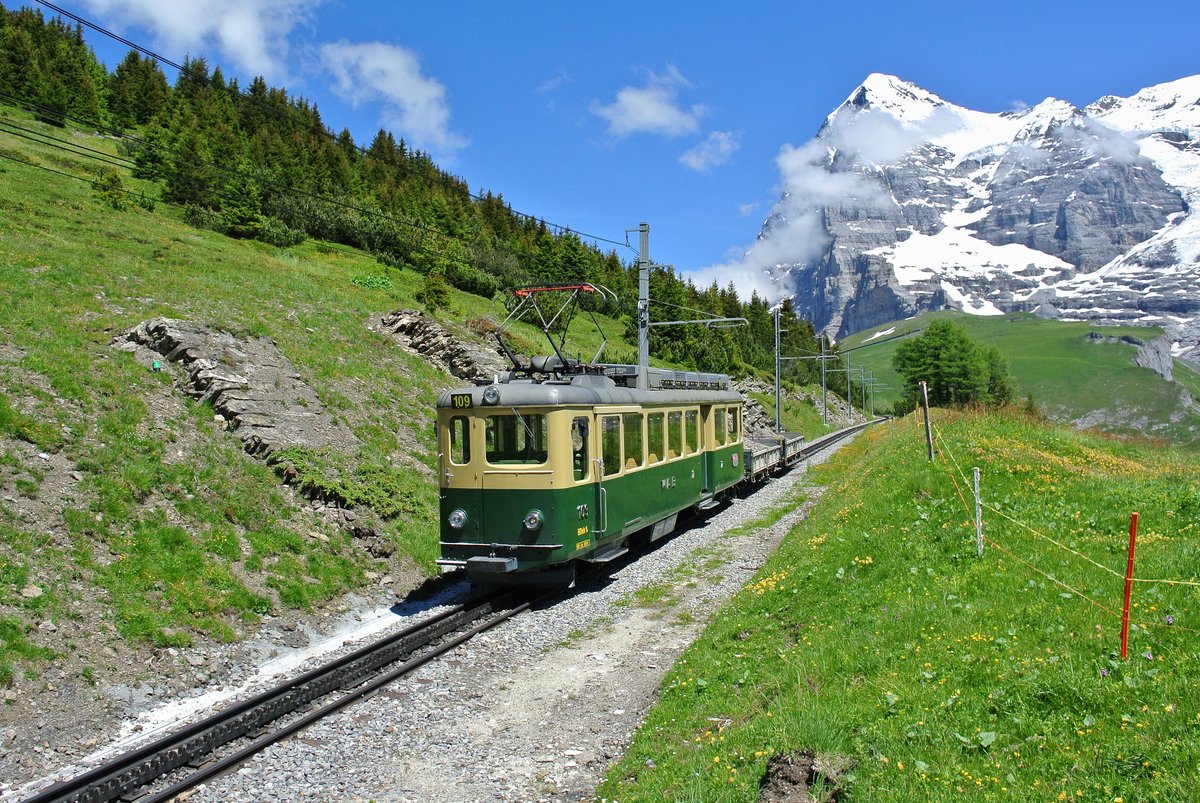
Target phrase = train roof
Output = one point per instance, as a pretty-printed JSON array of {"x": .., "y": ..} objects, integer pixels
[{"x": 593, "y": 385}]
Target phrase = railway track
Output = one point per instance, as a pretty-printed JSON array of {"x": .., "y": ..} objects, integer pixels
[
  {"x": 186, "y": 758},
  {"x": 783, "y": 459},
  {"x": 172, "y": 764}
]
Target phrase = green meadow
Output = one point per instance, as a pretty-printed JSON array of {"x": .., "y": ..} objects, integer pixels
[
  {"x": 1065, "y": 374},
  {"x": 877, "y": 637}
]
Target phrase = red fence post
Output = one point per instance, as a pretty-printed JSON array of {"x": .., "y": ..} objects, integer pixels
[{"x": 1128, "y": 586}]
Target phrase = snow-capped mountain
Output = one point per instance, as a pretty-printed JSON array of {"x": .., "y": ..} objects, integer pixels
[{"x": 904, "y": 202}]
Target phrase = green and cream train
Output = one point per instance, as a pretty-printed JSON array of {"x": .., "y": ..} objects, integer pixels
[{"x": 562, "y": 464}]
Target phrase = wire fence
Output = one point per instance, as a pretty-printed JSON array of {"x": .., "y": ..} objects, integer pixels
[{"x": 954, "y": 469}]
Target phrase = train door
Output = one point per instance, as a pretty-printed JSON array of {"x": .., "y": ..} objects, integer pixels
[
  {"x": 589, "y": 500},
  {"x": 706, "y": 450},
  {"x": 459, "y": 476},
  {"x": 608, "y": 465}
]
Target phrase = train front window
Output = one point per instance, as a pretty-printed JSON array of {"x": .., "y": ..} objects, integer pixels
[
  {"x": 610, "y": 443},
  {"x": 719, "y": 425},
  {"x": 693, "y": 431},
  {"x": 733, "y": 424},
  {"x": 579, "y": 448},
  {"x": 518, "y": 439},
  {"x": 460, "y": 440}
]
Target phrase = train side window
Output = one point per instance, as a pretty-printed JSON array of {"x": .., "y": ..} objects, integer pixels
[
  {"x": 633, "y": 439},
  {"x": 674, "y": 434},
  {"x": 719, "y": 425},
  {"x": 654, "y": 437},
  {"x": 693, "y": 431},
  {"x": 610, "y": 443},
  {"x": 516, "y": 439},
  {"x": 460, "y": 440},
  {"x": 733, "y": 425},
  {"x": 579, "y": 448}
]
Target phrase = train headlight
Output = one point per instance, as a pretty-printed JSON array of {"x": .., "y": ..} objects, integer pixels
[
  {"x": 534, "y": 519},
  {"x": 457, "y": 519},
  {"x": 491, "y": 394}
]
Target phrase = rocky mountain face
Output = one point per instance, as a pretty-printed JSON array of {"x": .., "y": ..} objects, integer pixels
[{"x": 904, "y": 203}]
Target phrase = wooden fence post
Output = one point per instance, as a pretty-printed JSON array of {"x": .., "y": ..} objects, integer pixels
[
  {"x": 1128, "y": 587},
  {"x": 928, "y": 430},
  {"x": 978, "y": 516}
]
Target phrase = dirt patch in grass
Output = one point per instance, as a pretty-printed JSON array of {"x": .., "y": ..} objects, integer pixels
[{"x": 802, "y": 777}]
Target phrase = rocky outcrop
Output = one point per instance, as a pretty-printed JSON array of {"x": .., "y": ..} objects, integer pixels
[
  {"x": 419, "y": 333},
  {"x": 248, "y": 382},
  {"x": 1154, "y": 355},
  {"x": 760, "y": 421}
]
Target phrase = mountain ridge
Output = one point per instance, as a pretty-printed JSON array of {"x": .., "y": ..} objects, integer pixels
[{"x": 915, "y": 203}]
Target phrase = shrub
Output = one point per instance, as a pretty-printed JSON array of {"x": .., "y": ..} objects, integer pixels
[
  {"x": 274, "y": 231},
  {"x": 109, "y": 187}
]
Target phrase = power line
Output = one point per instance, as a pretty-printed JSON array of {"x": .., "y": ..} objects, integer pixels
[
  {"x": 216, "y": 171},
  {"x": 324, "y": 244},
  {"x": 46, "y": 139},
  {"x": 213, "y": 169},
  {"x": 186, "y": 70},
  {"x": 131, "y": 193}
]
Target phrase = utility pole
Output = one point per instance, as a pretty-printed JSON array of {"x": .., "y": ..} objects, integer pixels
[
  {"x": 778, "y": 402},
  {"x": 643, "y": 310},
  {"x": 824, "y": 392},
  {"x": 849, "y": 387},
  {"x": 643, "y": 306}
]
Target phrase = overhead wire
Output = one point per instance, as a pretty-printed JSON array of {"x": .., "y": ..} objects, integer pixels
[
  {"x": 226, "y": 173},
  {"x": 186, "y": 70},
  {"x": 145, "y": 198},
  {"x": 46, "y": 139}
]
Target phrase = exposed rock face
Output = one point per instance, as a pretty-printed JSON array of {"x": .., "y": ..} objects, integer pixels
[
  {"x": 264, "y": 401},
  {"x": 759, "y": 421},
  {"x": 249, "y": 382},
  {"x": 1155, "y": 355},
  {"x": 421, "y": 334},
  {"x": 920, "y": 205}
]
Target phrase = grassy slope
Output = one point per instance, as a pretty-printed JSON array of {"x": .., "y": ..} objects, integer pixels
[
  {"x": 877, "y": 634},
  {"x": 798, "y": 415},
  {"x": 179, "y": 530},
  {"x": 1067, "y": 376}
]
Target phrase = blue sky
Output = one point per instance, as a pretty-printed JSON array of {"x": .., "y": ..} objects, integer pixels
[{"x": 599, "y": 116}]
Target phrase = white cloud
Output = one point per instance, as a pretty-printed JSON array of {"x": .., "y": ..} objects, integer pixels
[
  {"x": 414, "y": 105},
  {"x": 795, "y": 231},
  {"x": 748, "y": 209},
  {"x": 715, "y": 150},
  {"x": 876, "y": 137},
  {"x": 652, "y": 109},
  {"x": 551, "y": 84},
  {"x": 252, "y": 34}
]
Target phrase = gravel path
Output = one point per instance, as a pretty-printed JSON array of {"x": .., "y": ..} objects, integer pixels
[{"x": 539, "y": 708}]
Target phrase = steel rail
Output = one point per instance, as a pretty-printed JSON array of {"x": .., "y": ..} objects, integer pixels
[
  {"x": 229, "y": 762},
  {"x": 130, "y": 772}
]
